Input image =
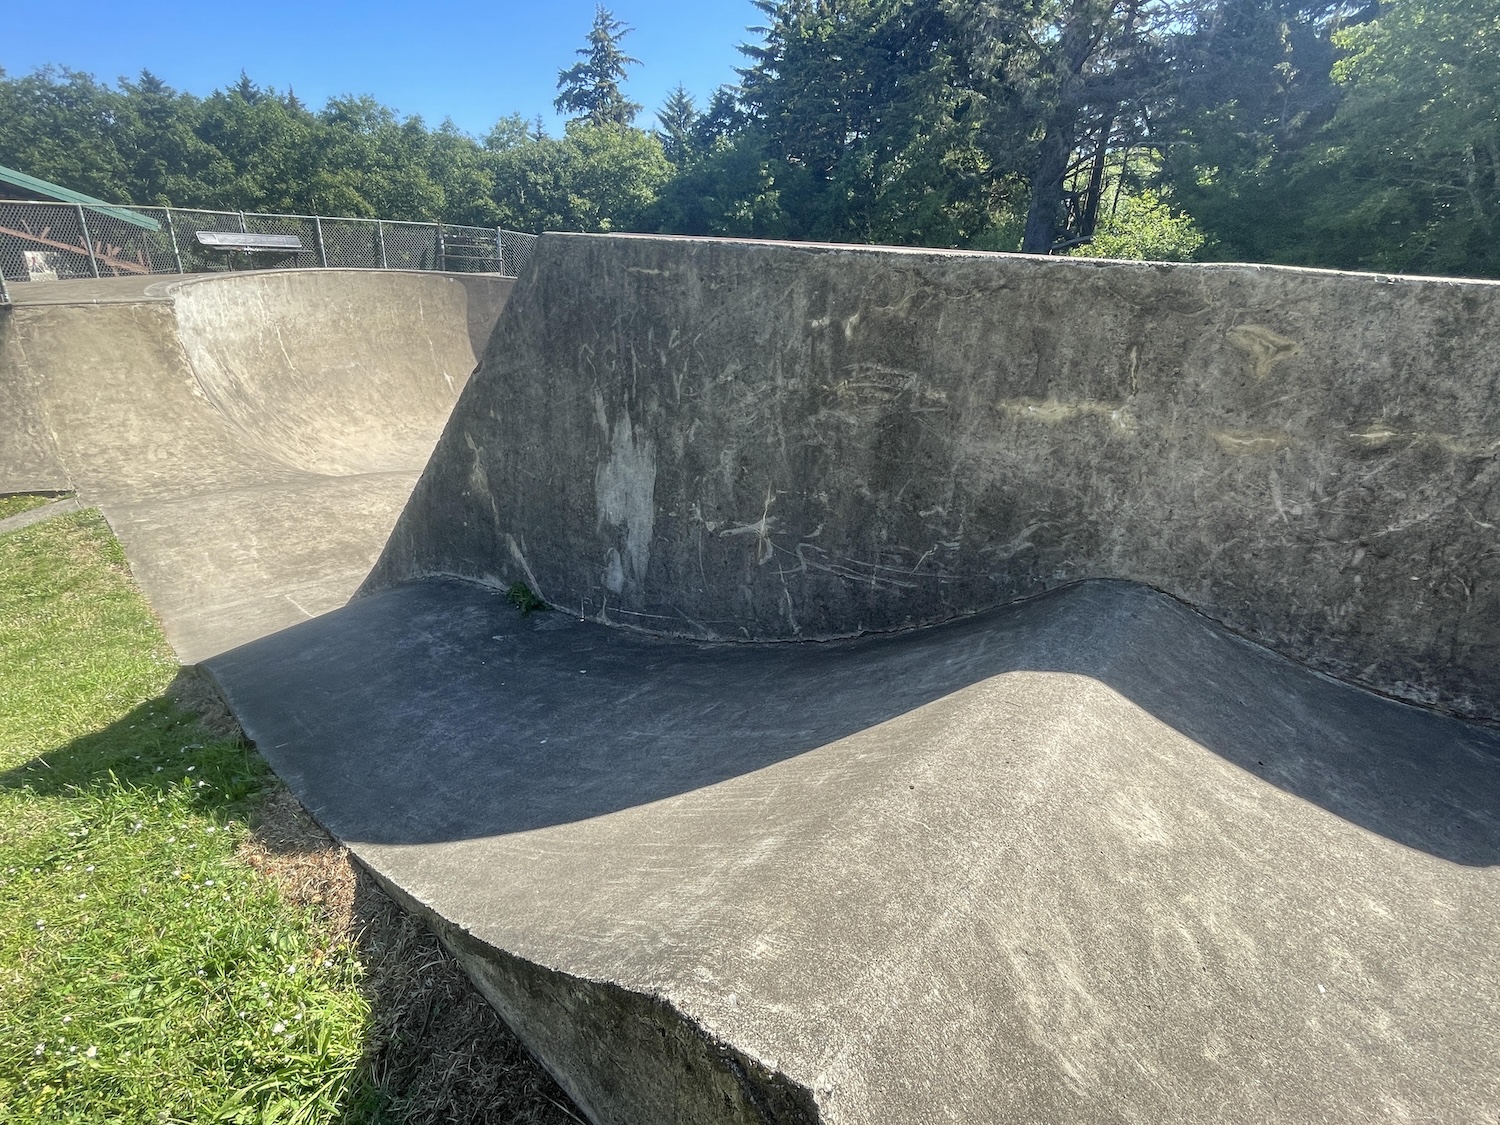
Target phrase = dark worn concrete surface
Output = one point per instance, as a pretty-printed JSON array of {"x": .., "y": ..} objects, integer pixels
[
  {"x": 251, "y": 437},
  {"x": 750, "y": 440},
  {"x": 1088, "y": 858}
]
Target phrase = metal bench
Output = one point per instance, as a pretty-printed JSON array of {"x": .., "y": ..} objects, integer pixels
[{"x": 281, "y": 245}]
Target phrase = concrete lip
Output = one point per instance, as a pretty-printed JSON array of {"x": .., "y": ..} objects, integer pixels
[{"x": 1085, "y": 858}]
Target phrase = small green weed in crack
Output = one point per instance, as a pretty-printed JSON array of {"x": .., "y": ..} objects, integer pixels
[{"x": 523, "y": 598}]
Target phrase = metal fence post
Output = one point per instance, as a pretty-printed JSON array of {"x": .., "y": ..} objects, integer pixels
[
  {"x": 499, "y": 250},
  {"x": 380, "y": 239},
  {"x": 318, "y": 234},
  {"x": 442, "y": 249},
  {"x": 243, "y": 228},
  {"x": 172, "y": 234},
  {"x": 88, "y": 240}
]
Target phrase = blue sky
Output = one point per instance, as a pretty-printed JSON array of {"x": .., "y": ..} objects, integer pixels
[{"x": 472, "y": 61}]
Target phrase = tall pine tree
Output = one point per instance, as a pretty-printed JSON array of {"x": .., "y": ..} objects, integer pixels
[{"x": 590, "y": 90}]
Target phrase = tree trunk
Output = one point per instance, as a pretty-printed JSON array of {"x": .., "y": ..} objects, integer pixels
[{"x": 1047, "y": 189}]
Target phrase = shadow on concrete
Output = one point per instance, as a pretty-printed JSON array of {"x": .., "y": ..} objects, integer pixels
[{"x": 435, "y": 711}]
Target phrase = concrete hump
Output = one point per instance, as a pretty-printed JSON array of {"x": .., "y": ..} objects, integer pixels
[
  {"x": 753, "y": 441},
  {"x": 1087, "y": 858}
]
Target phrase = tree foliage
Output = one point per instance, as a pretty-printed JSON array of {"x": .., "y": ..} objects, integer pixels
[
  {"x": 1407, "y": 174},
  {"x": 590, "y": 90},
  {"x": 1348, "y": 133}
]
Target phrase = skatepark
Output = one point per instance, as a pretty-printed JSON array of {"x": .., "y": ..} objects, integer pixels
[{"x": 974, "y": 688}]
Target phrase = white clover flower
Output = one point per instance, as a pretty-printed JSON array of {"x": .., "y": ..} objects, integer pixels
[
  {"x": 92, "y": 1052},
  {"x": 279, "y": 1028}
]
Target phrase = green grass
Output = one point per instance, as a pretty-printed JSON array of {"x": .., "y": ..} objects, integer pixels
[
  {"x": 146, "y": 974},
  {"x": 15, "y": 504}
]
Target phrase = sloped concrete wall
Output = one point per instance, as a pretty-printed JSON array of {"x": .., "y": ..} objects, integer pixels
[
  {"x": 764, "y": 441},
  {"x": 251, "y": 437},
  {"x": 336, "y": 379},
  {"x": 28, "y": 455}
]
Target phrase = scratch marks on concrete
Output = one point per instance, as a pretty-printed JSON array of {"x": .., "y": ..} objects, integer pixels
[
  {"x": 1052, "y": 412},
  {"x": 761, "y": 529},
  {"x": 1250, "y": 442},
  {"x": 1264, "y": 348},
  {"x": 1379, "y": 435}
]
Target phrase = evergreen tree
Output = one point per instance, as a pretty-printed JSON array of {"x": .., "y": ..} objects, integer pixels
[
  {"x": 590, "y": 90},
  {"x": 678, "y": 118},
  {"x": 1062, "y": 78}
]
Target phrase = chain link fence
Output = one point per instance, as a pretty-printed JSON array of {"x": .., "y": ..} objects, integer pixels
[{"x": 57, "y": 241}]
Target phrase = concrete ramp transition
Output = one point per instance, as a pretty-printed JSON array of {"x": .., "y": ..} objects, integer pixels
[
  {"x": 905, "y": 741},
  {"x": 1083, "y": 859},
  {"x": 250, "y": 437}
]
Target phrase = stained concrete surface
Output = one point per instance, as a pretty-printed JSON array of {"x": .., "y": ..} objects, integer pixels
[
  {"x": 751, "y": 440},
  {"x": 251, "y": 437},
  {"x": 1089, "y": 857},
  {"x": 1086, "y": 858}
]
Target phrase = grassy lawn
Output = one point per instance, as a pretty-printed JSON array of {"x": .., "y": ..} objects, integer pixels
[{"x": 177, "y": 941}]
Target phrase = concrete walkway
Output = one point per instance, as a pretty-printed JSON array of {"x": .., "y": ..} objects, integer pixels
[
  {"x": 1084, "y": 859},
  {"x": 60, "y": 507}
]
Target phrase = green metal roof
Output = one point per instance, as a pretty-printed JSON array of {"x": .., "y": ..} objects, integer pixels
[{"x": 67, "y": 195}]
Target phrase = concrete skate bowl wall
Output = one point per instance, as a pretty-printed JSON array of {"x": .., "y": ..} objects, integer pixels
[
  {"x": 321, "y": 376},
  {"x": 763, "y": 441},
  {"x": 250, "y": 439}
]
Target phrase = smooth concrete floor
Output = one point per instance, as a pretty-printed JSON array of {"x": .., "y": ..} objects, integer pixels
[{"x": 1087, "y": 858}]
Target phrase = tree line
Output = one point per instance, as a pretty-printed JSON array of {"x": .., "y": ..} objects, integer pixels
[{"x": 1341, "y": 133}]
